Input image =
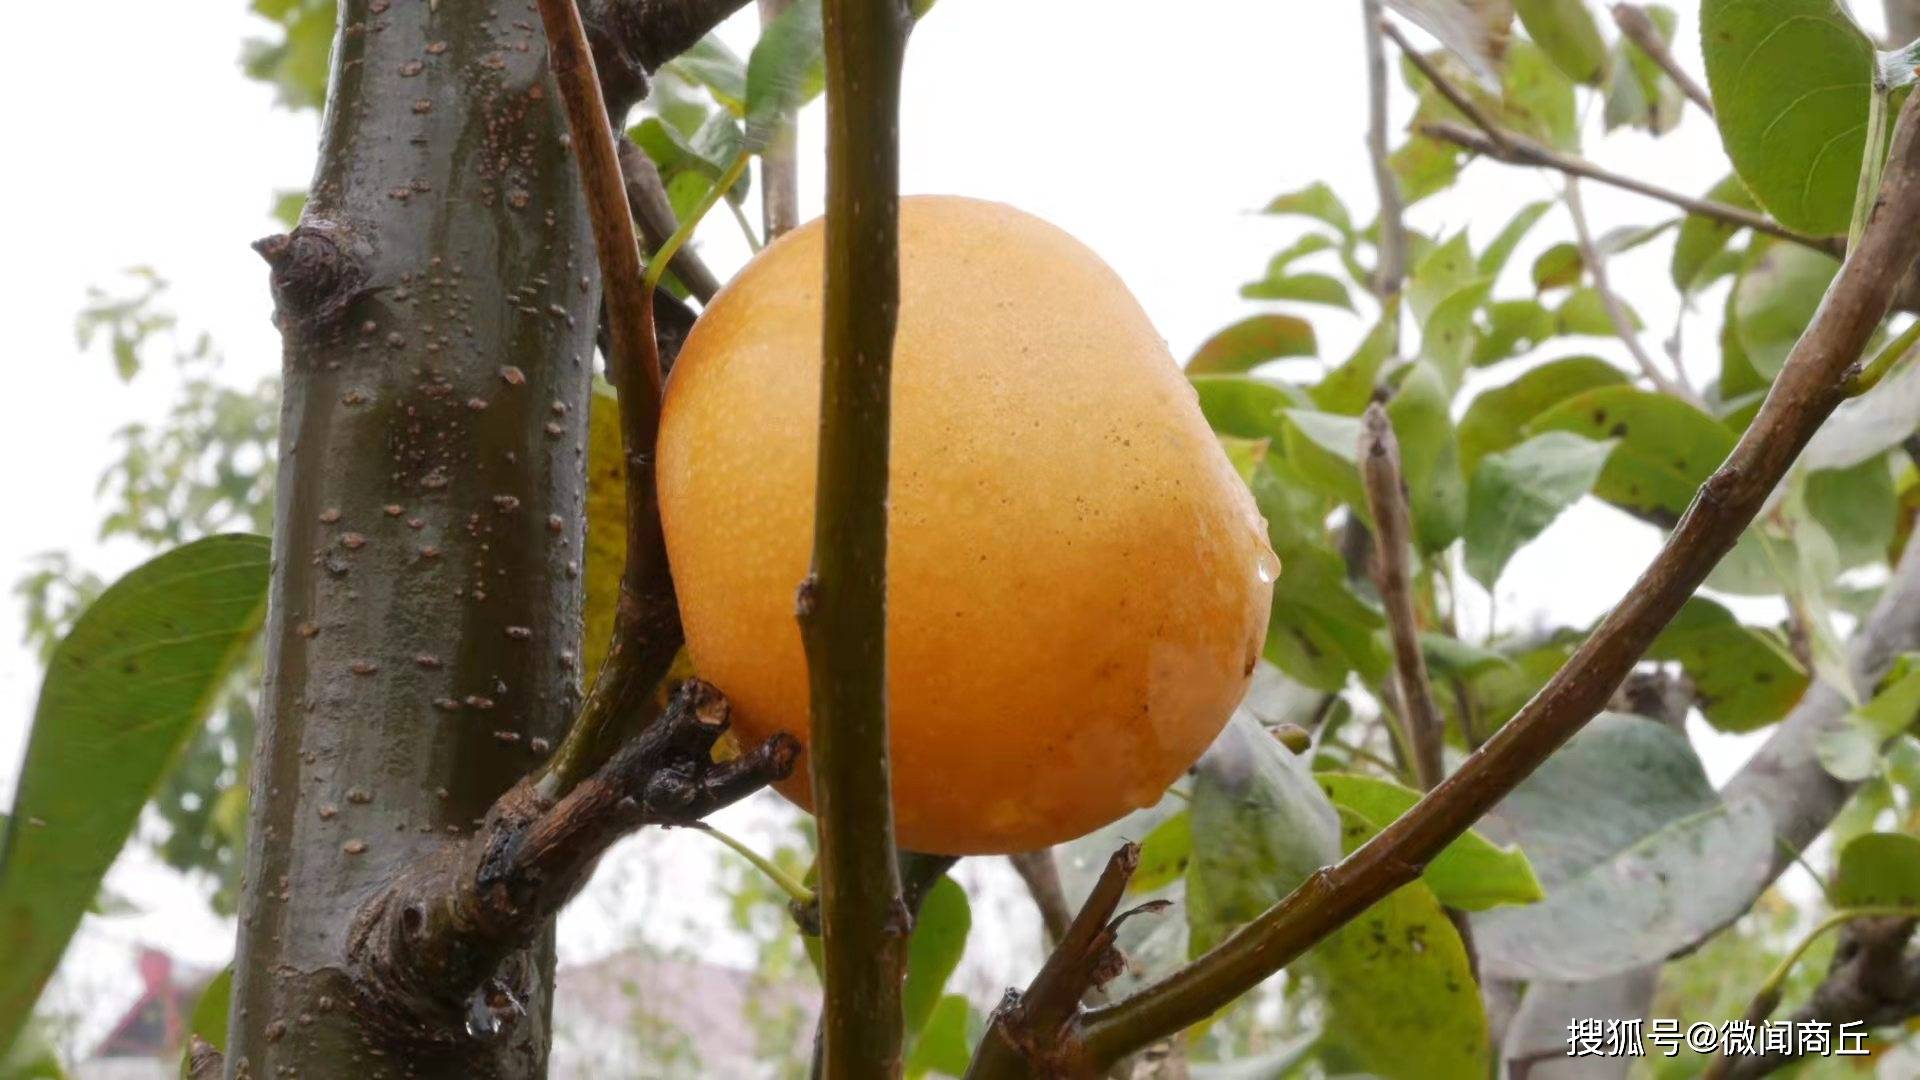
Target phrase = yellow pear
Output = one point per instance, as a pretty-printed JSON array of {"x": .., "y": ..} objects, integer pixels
[{"x": 1078, "y": 582}]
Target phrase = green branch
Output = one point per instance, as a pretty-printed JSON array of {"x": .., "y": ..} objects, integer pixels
[{"x": 842, "y": 604}]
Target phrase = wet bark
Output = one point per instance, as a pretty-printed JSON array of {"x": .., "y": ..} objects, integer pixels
[{"x": 438, "y": 304}]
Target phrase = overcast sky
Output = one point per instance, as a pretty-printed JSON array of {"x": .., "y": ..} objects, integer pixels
[{"x": 1152, "y": 133}]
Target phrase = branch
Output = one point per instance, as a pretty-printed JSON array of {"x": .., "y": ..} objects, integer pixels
[
  {"x": 1025, "y": 1036},
  {"x": 1455, "y": 96},
  {"x": 1903, "y": 20},
  {"x": 842, "y": 604},
  {"x": 1638, "y": 27},
  {"x": 1520, "y": 150},
  {"x": 1042, "y": 876},
  {"x": 779, "y": 172},
  {"x": 1623, "y": 328},
  {"x": 653, "y": 214},
  {"x": 424, "y": 950},
  {"x": 1393, "y": 535},
  {"x": 204, "y": 1060},
  {"x": 1391, "y": 274},
  {"x": 1811, "y": 385},
  {"x": 632, "y": 38},
  {"x": 646, "y": 629},
  {"x": 1870, "y": 981}
]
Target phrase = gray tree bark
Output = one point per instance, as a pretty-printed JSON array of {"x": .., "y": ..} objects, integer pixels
[{"x": 438, "y": 304}]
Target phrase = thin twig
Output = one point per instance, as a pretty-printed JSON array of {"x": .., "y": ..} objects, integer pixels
[
  {"x": 653, "y": 213},
  {"x": 842, "y": 603},
  {"x": 779, "y": 171},
  {"x": 631, "y": 38},
  {"x": 1520, "y": 150},
  {"x": 1871, "y": 982},
  {"x": 1042, "y": 877},
  {"x": 204, "y": 1060},
  {"x": 1810, "y": 386},
  {"x": 1455, "y": 96},
  {"x": 1390, "y": 275},
  {"x": 1025, "y": 1030},
  {"x": 646, "y": 629},
  {"x": 1393, "y": 536},
  {"x": 1639, "y": 28},
  {"x": 1425, "y": 727},
  {"x": 1623, "y": 327}
]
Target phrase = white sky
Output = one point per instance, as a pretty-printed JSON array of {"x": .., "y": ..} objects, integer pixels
[{"x": 1152, "y": 138}]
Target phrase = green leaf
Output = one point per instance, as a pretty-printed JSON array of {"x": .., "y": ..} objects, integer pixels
[
  {"x": 1667, "y": 449},
  {"x": 1641, "y": 94},
  {"x": 1316, "y": 201},
  {"x": 1878, "y": 869},
  {"x": 1774, "y": 299},
  {"x": 1245, "y": 455},
  {"x": 1451, "y": 336},
  {"x": 1585, "y": 312},
  {"x": 785, "y": 70},
  {"x": 1513, "y": 327},
  {"x": 1443, "y": 272},
  {"x": 209, "y": 1018},
  {"x": 1430, "y": 458},
  {"x": 296, "y": 65},
  {"x": 1790, "y": 82},
  {"x": 1323, "y": 450},
  {"x": 1253, "y": 341},
  {"x": 710, "y": 64},
  {"x": 1696, "y": 253},
  {"x": 1424, "y": 167},
  {"x": 1347, "y": 388},
  {"x": 1498, "y": 418},
  {"x": 1559, "y": 267},
  {"x": 1494, "y": 259},
  {"x": 1745, "y": 677},
  {"x": 1857, "y": 507},
  {"x": 1517, "y": 493},
  {"x": 1617, "y": 825},
  {"x": 288, "y": 206},
  {"x": 1472, "y": 873},
  {"x": 1851, "y": 752},
  {"x": 944, "y": 1046},
  {"x": 939, "y": 937},
  {"x": 1537, "y": 98},
  {"x": 1449, "y": 657},
  {"x": 1260, "y": 826},
  {"x": 1320, "y": 632},
  {"x": 1309, "y": 287},
  {"x": 32, "y": 1056},
  {"x": 1164, "y": 854},
  {"x": 1474, "y": 30},
  {"x": 1398, "y": 989},
  {"x": 124, "y": 692},
  {"x": 1566, "y": 32},
  {"x": 1245, "y": 406}
]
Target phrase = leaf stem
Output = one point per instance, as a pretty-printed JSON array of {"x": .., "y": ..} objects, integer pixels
[
  {"x": 1767, "y": 997},
  {"x": 795, "y": 891},
  {"x": 1885, "y": 361},
  {"x": 657, "y": 265},
  {"x": 1873, "y": 159}
]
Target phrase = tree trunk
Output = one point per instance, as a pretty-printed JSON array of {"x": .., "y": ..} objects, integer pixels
[
  {"x": 1903, "y": 21},
  {"x": 438, "y": 304}
]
